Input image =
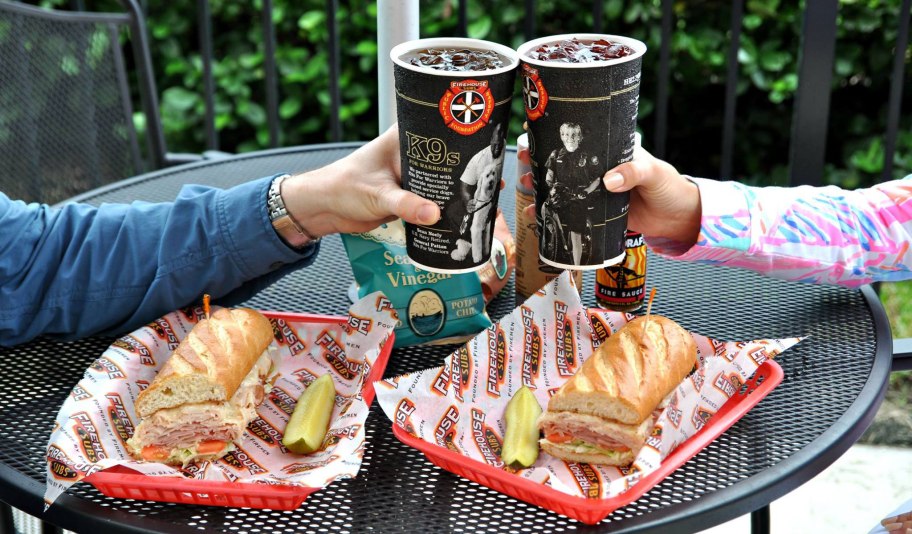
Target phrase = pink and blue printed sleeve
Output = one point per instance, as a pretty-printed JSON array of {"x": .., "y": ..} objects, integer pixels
[{"x": 821, "y": 235}]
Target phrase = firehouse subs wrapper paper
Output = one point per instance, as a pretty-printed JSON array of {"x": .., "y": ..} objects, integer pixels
[
  {"x": 98, "y": 416},
  {"x": 541, "y": 344}
]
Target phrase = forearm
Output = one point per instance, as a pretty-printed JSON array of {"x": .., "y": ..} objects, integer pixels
[
  {"x": 817, "y": 235},
  {"x": 81, "y": 270}
]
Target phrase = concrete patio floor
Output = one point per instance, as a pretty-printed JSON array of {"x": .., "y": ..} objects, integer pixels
[{"x": 865, "y": 485}]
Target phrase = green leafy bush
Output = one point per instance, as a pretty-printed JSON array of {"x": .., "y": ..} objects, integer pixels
[
  {"x": 768, "y": 63},
  {"x": 768, "y": 60}
]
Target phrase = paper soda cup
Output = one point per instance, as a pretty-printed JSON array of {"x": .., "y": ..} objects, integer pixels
[
  {"x": 531, "y": 273},
  {"x": 452, "y": 134},
  {"x": 582, "y": 119}
]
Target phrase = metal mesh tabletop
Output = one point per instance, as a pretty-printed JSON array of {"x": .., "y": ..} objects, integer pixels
[{"x": 834, "y": 382}]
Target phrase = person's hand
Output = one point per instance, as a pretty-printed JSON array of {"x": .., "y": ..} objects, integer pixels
[
  {"x": 662, "y": 202},
  {"x": 357, "y": 193},
  {"x": 901, "y": 523},
  {"x": 470, "y": 205}
]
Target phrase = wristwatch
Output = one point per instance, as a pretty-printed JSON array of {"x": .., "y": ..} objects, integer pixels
[{"x": 288, "y": 229}]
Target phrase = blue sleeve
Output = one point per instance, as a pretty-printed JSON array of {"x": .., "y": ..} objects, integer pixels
[{"x": 80, "y": 270}]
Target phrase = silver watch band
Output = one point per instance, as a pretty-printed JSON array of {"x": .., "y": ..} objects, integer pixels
[{"x": 284, "y": 224}]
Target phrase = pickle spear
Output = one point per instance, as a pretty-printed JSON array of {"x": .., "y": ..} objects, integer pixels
[
  {"x": 520, "y": 448},
  {"x": 309, "y": 422}
]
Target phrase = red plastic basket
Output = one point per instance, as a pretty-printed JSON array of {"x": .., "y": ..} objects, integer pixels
[
  {"x": 591, "y": 511},
  {"x": 125, "y": 483}
]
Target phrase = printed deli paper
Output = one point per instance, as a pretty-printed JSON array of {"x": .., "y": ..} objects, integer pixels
[
  {"x": 98, "y": 417},
  {"x": 542, "y": 344}
]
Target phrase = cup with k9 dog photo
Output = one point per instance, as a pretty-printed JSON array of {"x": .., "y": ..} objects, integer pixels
[
  {"x": 453, "y": 105},
  {"x": 581, "y": 96}
]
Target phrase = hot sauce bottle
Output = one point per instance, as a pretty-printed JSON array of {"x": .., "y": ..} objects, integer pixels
[{"x": 622, "y": 287}]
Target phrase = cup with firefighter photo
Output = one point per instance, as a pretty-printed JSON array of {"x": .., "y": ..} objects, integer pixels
[
  {"x": 103, "y": 432},
  {"x": 458, "y": 414},
  {"x": 453, "y": 105},
  {"x": 581, "y": 97}
]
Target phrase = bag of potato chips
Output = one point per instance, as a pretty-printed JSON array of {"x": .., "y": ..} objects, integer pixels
[{"x": 432, "y": 307}]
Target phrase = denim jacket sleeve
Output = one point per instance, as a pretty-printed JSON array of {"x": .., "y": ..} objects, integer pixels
[{"x": 79, "y": 270}]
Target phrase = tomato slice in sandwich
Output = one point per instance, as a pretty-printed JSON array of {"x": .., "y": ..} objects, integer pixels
[
  {"x": 559, "y": 437},
  {"x": 155, "y": 453},
  {"x": 210, "y": 446}
]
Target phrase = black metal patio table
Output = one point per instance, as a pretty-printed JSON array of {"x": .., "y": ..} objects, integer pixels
[{"x": 834, "y": 383}]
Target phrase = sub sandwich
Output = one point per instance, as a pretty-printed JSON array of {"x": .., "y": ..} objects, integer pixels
[
  {"x": 604, "y": 413},
  {"x": 207, "y": 392}
]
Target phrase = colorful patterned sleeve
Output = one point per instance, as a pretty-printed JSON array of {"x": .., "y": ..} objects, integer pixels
[{"x": 820, "y": 235}]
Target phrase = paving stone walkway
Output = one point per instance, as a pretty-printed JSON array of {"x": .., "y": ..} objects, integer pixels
[{"x": 865, "y": 485}]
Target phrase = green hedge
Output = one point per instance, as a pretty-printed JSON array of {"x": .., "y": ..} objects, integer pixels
[{"x": 766, "y": 87}]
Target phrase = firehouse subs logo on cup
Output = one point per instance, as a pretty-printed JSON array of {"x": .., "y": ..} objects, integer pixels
[
  {"x": 453, "y": 105},
  {"x": 550, "y": 334},
  {"x": 467, "y": 106},
  {"x": 581, "y": 99},
  {"x": 98, "y": 417},
  {"x": 535, "y": 96}
]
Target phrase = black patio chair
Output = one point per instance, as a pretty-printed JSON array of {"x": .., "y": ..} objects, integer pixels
[{"x": 66, "y": 112}]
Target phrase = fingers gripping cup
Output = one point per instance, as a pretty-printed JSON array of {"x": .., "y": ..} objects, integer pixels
[
  {"x": 581, "y": 94},
  {"x": 453, "y": 104}
]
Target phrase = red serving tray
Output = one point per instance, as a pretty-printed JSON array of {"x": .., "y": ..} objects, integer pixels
[
  {"x": 591, "y": 511},
  {"x": 125, "y": 483}
]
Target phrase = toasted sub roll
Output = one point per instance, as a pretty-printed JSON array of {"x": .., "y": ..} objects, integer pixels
[
  {"x": 207, "y": 392},
  {"x": 210, "y": 363},
  {"x": 604, "y": 412}
]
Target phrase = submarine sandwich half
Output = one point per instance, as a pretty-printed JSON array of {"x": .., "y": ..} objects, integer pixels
[
  {"x": 207, "y": 392},
  {"x": 604, "y": 413}
]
